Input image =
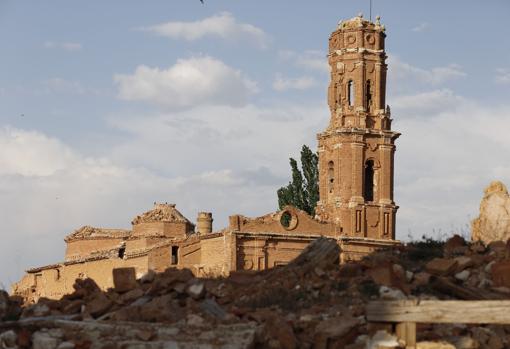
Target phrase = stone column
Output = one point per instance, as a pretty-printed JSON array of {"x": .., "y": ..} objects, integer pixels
[
  {"x": 357, "y": 172},
  {"x": 386, "y": 158}
]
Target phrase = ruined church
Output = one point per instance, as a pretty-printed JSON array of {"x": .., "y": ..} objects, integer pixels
[{"x": 356, "y": 206}]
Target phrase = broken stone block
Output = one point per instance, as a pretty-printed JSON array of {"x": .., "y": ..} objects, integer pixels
[
  {"x": 391, "y": 293},
  {"x": 421, "y": 279},
  {"x": 130, "y": 296},
  {"x": 463, "y": 275},
  {"x": 382, "y": 339},
  {"x": 8, "y": 339},
  {"x": 41, "y": 340},
  {"x": 441, "y": 266},
  {"x": 99, "y": 305},
  {"x": 66, "y": 345},
  {"x": 197, "y": 290},
  {"x": 85, "y": 287},
  {"x": 383, "y": 275},
  {"x": 500, "y": 272},
  {"x": 463, "y": 262},
  {"x": 194, "y": 320},
  {"x": 454, "y": 245},
  {"x": 36, "y": 310},
  {"x": 336, "y": 332},
  {"x": 124, "y": 279}
]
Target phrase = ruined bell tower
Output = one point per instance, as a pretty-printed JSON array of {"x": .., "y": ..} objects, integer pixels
[{"x": 356, "y": 151}]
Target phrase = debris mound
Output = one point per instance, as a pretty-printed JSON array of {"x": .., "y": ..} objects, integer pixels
[{"x": 313, "y": 302}]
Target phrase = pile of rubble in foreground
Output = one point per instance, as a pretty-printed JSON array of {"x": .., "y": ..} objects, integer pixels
[{"x": 311, "y": 303}]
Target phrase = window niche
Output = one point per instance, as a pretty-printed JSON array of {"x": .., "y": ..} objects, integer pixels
[
  {"x": 351, "y": 93},
  {"x": 369, "y": 181},
  {"x": 122, "y": 252},
  {"x": 175, "y": 255},
  {"x": 368, "y": 96},
  {"x": 331, "y": 177}
]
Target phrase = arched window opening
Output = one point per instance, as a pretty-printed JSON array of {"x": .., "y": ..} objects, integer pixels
[
  {"x": 368, "y": 95},
  {"x": 369, "y": 180},
  {"x": 331, "y": 176},
  {"x": 350, "y": 93}
]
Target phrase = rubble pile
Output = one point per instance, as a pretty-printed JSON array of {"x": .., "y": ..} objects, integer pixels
[{"x": 313, "y": 302}]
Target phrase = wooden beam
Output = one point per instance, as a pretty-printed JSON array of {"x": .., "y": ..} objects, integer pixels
[
  {"x": 467, "y": 312},
  {"x": 406, "y": 331}
]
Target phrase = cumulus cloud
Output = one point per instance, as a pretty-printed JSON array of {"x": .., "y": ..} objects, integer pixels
[
  {"x": 48, "y": 189},
  {"x": 502, "y": 76},
  {"x": 66, "y": 46},
  {"x": 30, "y": 153},
  {"x": 309, "y": 59},
  {"x": 301, "y": 83},
  {"x": 190, "y": 82},
  {"x": 218, "y": 137},
  {"x": 400, "y": 70},
  {"x": 445, "y": 157},
  {"x": 222, "y": 25},
  {"x": 429, "y": 104}
]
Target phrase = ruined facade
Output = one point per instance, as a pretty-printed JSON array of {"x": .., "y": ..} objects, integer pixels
[{"x": 356, "y": 204}]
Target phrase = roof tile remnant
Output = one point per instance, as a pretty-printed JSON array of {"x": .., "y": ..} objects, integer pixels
[{"x": 88, "y": 232}]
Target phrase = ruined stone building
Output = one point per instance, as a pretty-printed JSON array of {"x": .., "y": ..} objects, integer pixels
[{"x": 356, "y": 206}]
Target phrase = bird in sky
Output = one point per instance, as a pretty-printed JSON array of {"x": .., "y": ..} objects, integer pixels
[{"x": 202, "y": 1}]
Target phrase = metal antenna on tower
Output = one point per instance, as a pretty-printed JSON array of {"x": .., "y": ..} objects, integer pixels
[{"x": 370, "y": 10}]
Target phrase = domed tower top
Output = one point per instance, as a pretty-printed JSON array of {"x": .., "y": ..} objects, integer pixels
[
  {"x": 356, "y": 33},
  {"x": 357, "y": 93}
]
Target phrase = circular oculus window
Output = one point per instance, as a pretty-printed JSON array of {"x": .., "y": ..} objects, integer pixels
[{"x": 288, "y": 220}]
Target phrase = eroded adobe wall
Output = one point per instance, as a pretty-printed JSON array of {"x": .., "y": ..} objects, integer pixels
[
  {"x": 161, "y": 259},
  {"x": 83, "y": 248},
  {"x": 215, "y": 255},
  {"x": 191, "y": 256},
  {"x": 55, "y": 282},
  {"x": 168, "y": 229}
]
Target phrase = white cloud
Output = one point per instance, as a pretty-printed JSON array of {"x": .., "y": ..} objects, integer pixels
[
  {"x": 190, "y": 82},
  {"x": 310, "y": 59},
  {"x": 421, "y": 27},
  {"x": 400, "y": 70},
  {"x": 301, "y": 83},
  {"x": 30, "y": 153},
  {"x": 503, "y": 76},
  {"x": 429, "y": 104},
  {"x": 219, "y": 137},
  {"x": 444, "y": 159},
  {"x": 67, "y": 46},
  {"x": 48, "y": 189},
  {"x": 222, "y": 25}
]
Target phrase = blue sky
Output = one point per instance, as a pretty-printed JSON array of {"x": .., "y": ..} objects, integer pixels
[{"x": 106, "y": 107}]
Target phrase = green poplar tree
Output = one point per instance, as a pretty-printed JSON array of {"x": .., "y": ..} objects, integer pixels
[{"x": 303, "y": 190}]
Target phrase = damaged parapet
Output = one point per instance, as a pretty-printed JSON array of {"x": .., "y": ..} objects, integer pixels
[
  {"x": 164, "y": 220},
  {"x": 204, "y": 223}
]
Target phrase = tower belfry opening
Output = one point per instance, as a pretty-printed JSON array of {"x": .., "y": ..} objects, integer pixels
[{"x": 359, "y": 135}]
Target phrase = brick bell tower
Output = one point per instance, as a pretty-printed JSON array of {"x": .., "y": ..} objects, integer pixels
[{"x": 356, "y": 151}]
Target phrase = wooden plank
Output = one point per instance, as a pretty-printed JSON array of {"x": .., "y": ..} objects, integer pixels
[
  {"x": 406, "y": 331},
  {"x": 467, "y": 293},
  {"x": 467, "y": 312}
]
